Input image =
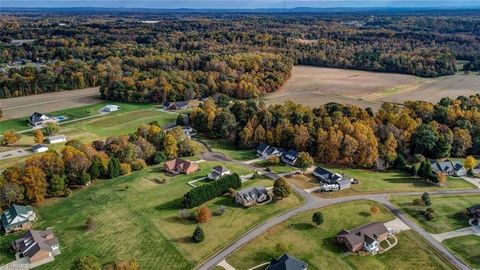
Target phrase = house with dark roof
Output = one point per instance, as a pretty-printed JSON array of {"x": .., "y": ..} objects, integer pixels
[
  {"x": 40, "y": 119},
  {"x": 39, "y": 148},
  {"x": 265, "y": 151},
  {"x": 474, "y": 212},
  {"x": 287, "y": 262},
  {"x": 252, "y": 196},
  {"x": 448, "y": 167},
  {"x": 38, "y": 247},
  {"x": 217, "y": 172},
  {"x": 331, "y": 181},
  {"x": 262, "y": 148},
  {"x": 176, "y": 105},
  {"x": 366, "y": 237},
  {"x": 178, "y": 165},
  {"x": 290, "y": 157},
  {"x": 17, "y": 217}
]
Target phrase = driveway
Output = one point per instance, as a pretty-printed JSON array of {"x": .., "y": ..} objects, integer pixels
[
  {"x": 460, "y": 232},
  {"x": 475, "y": 181},
  {"x": 398, "y": 225},
  {"x": 20, "y": 152}
]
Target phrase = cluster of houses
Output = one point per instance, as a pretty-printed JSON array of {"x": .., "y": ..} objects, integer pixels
[
  {"x": 289, "y": 157},
  {"x": 34, "y": 247}
]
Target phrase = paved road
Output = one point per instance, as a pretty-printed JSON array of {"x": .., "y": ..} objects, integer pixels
[
  {"x": 19, "y": 152},
  {"x": 314, "y": 202}
]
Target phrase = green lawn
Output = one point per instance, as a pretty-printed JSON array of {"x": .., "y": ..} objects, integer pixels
[
  {"x": 229, "y": 148},
  {"x": 140, "y": 222},
  {"x": 391, "y": 181},
  {"x": 278, "y": 168},
  {"x": 449, "y": 211},
  {"x": 466, "y": 247},
  {"x": 317, "y": 246}
]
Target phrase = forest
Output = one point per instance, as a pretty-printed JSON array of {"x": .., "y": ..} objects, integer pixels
[{"x": 184, "y": 56}]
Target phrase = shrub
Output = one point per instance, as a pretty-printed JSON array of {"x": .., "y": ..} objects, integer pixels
[
  {"x": 273, "y": 160},
  {"x": 317, "y": 218},
  {"x": 426, "y": 199},
  {"x": 198, "y": 235},
  {"x": 86, "y": 263},
  {"x": 113, "y": 167},
  {"x": 138, "y": 164},
  {"x": 204, "y": 215},
  {"x": 429, "y": 213},
  {"x": 159, "y": 157},
  {"x": 281, "y": 247},
  {"x": 281, "y": 188},
  {"x": 204, "y": 193},
  {"x": 185, "y": 214},
  {"x": 84, "y": 178},
  {"x": 220, "y": 210},
  {"x": 125, "y": 168},
  {"x": 374, "y": 210},
  {"x": 67, "y": 192},
  {"x": 51, "y": 129},
  {"x": 470, "y": 172},
  {"x": 90, "y": 224}
]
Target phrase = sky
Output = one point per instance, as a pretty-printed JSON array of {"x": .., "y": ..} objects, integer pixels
[{"x": 238, "y": 4}]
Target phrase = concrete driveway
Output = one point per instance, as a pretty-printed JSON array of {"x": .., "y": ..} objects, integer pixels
[
  {"x": 460, "y": 232},
  {"x": 475, "y": 181}
]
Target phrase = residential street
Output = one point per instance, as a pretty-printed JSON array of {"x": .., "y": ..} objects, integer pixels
[{"x": 313, "y": 202}]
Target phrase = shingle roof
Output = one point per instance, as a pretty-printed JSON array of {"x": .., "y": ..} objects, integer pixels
[
  {"x": 357, "y": 235},
  {"x": 220, "y": 169},
  {"x": 34, "y": 241},
  {"x": 443, "y": 166},
  {"x": 13, "y": 212},
  {"x": 287, "y": 262},
  {"x": 262, "y": 147},
  {"x": 327, "y": 175}
]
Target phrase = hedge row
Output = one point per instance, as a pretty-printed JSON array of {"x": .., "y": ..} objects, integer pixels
[{"x": 201, "y": 194}]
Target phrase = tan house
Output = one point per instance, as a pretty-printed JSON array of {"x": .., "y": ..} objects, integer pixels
[
  {"x": 37, "y": 247},
  {"x": 176, "y": 166},
  {"x": 366, "y": 237},
  {"x": 17, "y": 218}
]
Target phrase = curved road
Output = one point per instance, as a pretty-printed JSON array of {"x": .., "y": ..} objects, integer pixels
[{"x": 313, "y": 202}]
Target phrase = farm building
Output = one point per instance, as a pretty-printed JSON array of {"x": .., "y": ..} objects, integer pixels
[
  {"x": 40, "y": 119},
  {"x": 217, "y": 172},
  {"x": 287, "y": 262},
  {"x": 252, "y": 196},
  {"x": 366, "y": 237},
  {"x": 17, "y": 217},
  {"x": 39, "y": 148},
  {"x": 176, "y": 166},
  {"x": 448, "y": 167},
  {"x": 178, "y": 105},
  {"x": 38, "y": 247},
  {"x": 111, "y": 108},
  {"x": 56, "y": 139}
]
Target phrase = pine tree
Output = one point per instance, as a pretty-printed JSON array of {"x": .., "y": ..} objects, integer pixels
[
  {"x": 317, "y": 218},
  {"x": 198, "y": 235},
  {"x": 113, "y": 167}
]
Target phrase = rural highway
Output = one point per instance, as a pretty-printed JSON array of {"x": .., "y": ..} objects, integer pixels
[{"x": 313, "y": 202}]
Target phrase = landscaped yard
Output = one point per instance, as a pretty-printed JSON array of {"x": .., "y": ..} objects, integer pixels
[
  {"x": 466, "y": 247},
  {"x": 137, "y": 218},
  {"x": 390, "y": 181},
  {"x": 449, "y": 211},
  {"x": 317, "y": 246},
  {"x": 228, "y": 148}
]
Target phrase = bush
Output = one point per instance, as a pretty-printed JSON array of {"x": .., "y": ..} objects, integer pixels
[
  {"x": 317, "y": 218},
  {"x": 198, "y": 235},
  {"x": 138, "y": 164},
  {"x": 185, "y": 214},
  {"x": 273, "y": 160},
  {"x": 125, "y": 168},
  {"x": 470, "y": 172},
  {"x": 220, "y": 210},
  {"x": 67, "y": 192},
  {"x": 113, "y": 167},
  {"x": 159, "y": 157},
  {"x": 86, "y": 263},
  {"x": 281, "y": 188},
  {"x": 201, "y": 194},
  {"x": 51, "y": 129},
  {"x": 84, "y": 178},
  {"x": 429, "y": 213},
  {"x": 90, "y": 224},
  {"x": 204, "y": 215}
]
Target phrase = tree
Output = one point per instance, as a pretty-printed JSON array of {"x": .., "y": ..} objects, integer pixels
[
  {"x": 442, "y": 179},
  {"x": 470, "y": 162},
  {"x": 374, "y": 210},
  {"x": 304, "y": 160},
  {"x": 181, "y": 120},
  {"x": 273, "y": 160},
  {"x": 426, "y": 199},
  {"x": 86, "y": 263},
  {"x": 424, "y": 140},
  {"x": 38, "y": 136},
  {"x": 317, "y": 218},
  {"x": 11, "y": 137},
  {"x": 204, "y": 215},
  {"x": 35, "y": 182},
  {"x": 51, "y": 129},
  {"x": 95, "y": 168},
  {"x": 56, "y": 185},
  {"x": 90, "y": 224},
  {"x": 127, "y": 265},
  {"x": 113, "y": 168},
  {"x": 418, "y": 203},
  {"x": 390, "y": 149},
  {"x": 170, "y": 146},
  {"x": 223, "y": 124},
  {"x": 11, "y": 192},
  {"x": 281, "y": 188},
  {"x": 198, "y": 235}
]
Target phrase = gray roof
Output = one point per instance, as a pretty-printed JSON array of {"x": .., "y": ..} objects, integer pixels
[
  {"x": 262, "y": 147},
  {"x": 34, "y": 241},
  {"x": 220, "y": 169},
  {"x": 290, "y": 155},
  {"x": 357, "y": 235},
  {"x": 326, "y": 175},
  {"x": 444, "y": 166},
  {"x": 287, "y": 262},
  {"x": 12, "y": 212},
  {"x": 251, "y": 194}
]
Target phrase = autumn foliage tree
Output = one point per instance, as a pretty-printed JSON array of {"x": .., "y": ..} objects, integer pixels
[
  {"x": 38, "y": 136},
  {"x": 11, "y": 137},
  {"x": 204, "y": 215}
]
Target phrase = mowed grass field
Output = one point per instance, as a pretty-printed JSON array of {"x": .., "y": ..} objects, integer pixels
[
  {"x": 316, "y": 85},
  {"x": 228, "y": 148},
  {"x": 141, "y": 222},
  {"x": 467, "y": 248},
  {"x": 449, "y": 211},
  {"x": 389, "y": 181},
  {"x": 317, "y": 247}
]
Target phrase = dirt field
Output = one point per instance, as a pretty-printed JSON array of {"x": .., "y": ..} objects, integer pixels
[
  {"x": 25, "y": 106},
  {"x": 315, "y": 85}
]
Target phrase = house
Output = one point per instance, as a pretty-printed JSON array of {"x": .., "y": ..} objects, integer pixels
[
  {"x": 217, "y": 172},
  {"x": 261, "y": 149},
  {"x": 366, "y": 237},
  {"x": 17, "y": 217},
  {"x": 290, "y": 157},
  {"x": 39, "y": 148},
  {"x": 56, "y": 139},
  {"x": 331, "y": 181},
  {"x": 189, "y": 132},
  {"x": 176, "y": 166},
  {"x": 448, "y": 167},
  {"x": 38, "y": 247},
  {"x": 474, "y": 211},
  {"x": 111, "y": 108},
  {"x": 39, "y": 119},
  {"x": 252, "y": 196},
  {"x": 177, "y": 105},
  {"x": 265, "y": 151},
  {"x": 287, "y": 262}
]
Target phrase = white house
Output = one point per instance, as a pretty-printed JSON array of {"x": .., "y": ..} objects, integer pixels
[
  {"x": 448, "y": 167},
  {"x": 39, "y": 119},
  {"x": 39, "y": 148},
  {"x": 111, "y": 108},
  {"x": 217, "y": 172},
  {"x": 56, "y": 139}
]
